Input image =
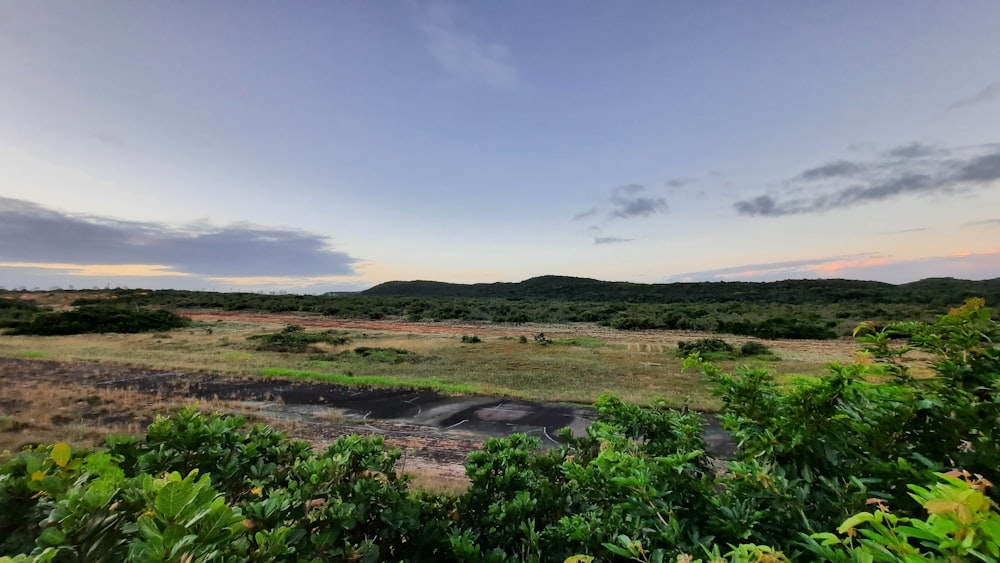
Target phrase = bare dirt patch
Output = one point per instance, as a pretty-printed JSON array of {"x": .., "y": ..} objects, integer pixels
[
  {"x": 99, "y": 399},
  {"x": 435, "y": 431}
]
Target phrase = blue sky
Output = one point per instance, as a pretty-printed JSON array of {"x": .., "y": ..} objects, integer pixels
[{"x": 314, "y": 146}]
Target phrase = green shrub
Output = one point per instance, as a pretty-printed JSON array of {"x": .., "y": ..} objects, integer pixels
[
  {"x": 752, "y": 348},
  {"x": 386, "y": 355},
  {"x": 713, "y": 349},
  {"x": 294, "y": 338},
  {"x": 100, "y": 319},
  {"x": 16, "y": 312},
  {"x": 471, "y": 339}
]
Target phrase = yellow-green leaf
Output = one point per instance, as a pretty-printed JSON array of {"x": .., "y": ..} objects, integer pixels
[
  {"x": 854, "y": 521},
  {"x": 941, "y": 505},
  {"x": 60, "y": 454},
  {"x": 579, "y": 559},
  {"x": 37, "y": 475}
]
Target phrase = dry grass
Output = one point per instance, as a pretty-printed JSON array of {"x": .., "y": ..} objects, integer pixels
[
  {"x": 40, "y": 412},
  {"x": 576, "y": 367},
  {"x": 437, "y": 479},
  {"x": 330, "y": 416},
  {"x": 36, "y": 412}
]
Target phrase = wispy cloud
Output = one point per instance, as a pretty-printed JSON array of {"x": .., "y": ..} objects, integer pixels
[
  {"x": 986, "y": 95},
  {"x": 611, "y": 240},
  {"x": 907, "y": 170},
  {"x": 984, "y": 222},
  {"x": 628, "y": 203},
  {"x": 586, "y": 214},
  {"x": 838, "y": 169},
  {"x": 965, "y": 265},
  {"x": 32, "y": 234},
  {"x": 790, "y": 269},
  {"x": 904, "y": 231},
  {"x": 465, "y": 55},
  {"x": 915, "y": 150}
]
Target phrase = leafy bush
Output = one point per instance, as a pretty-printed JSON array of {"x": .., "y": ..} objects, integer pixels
[
  {"x": 752, "y": 348},
  {"x": 294, "y": 338},
  {"x": 708, "y": 348},
  {"x": 247, "y": 495},
  {"x": 386, "y": 355},
  {"x": 101, "y": 318},
  {"x": 962, "y": 524},
  {"x": 471, "y": 339},
  {"x": 16, "y": 312}
]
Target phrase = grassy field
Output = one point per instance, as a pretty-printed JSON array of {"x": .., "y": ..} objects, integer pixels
[{"x": 576, "y": 368}]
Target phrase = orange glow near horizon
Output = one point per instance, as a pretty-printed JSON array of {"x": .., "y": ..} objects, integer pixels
[
  {"x": 127, "y": 270},
  {"x": 834, "y": 267}
]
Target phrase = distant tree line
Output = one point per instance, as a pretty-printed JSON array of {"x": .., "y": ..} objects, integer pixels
[{"x": 813, "y": 309}]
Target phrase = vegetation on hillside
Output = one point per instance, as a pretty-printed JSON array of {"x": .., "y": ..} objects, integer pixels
[
  {"x": 810, "y": 309},
  {"x": 871, "y": 463},
  {"x": 937, "y": 292}
]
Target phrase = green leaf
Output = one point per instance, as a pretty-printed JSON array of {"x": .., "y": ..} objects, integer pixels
[
  {"x": 617, "y": 550},
  {"x": 827, "y": 537},
  {"x": 147, "y": 529},
  {"x": 853, "y": 521},
  {"x": 52, "y": 537},
  {"x": 172, "y": 499}
]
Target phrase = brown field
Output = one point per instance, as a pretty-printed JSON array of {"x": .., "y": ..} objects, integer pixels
[{"x": 49, "y": 391}]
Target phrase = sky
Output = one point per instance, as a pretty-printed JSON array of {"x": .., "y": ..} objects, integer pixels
[{"x": 316, "y": 146}]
